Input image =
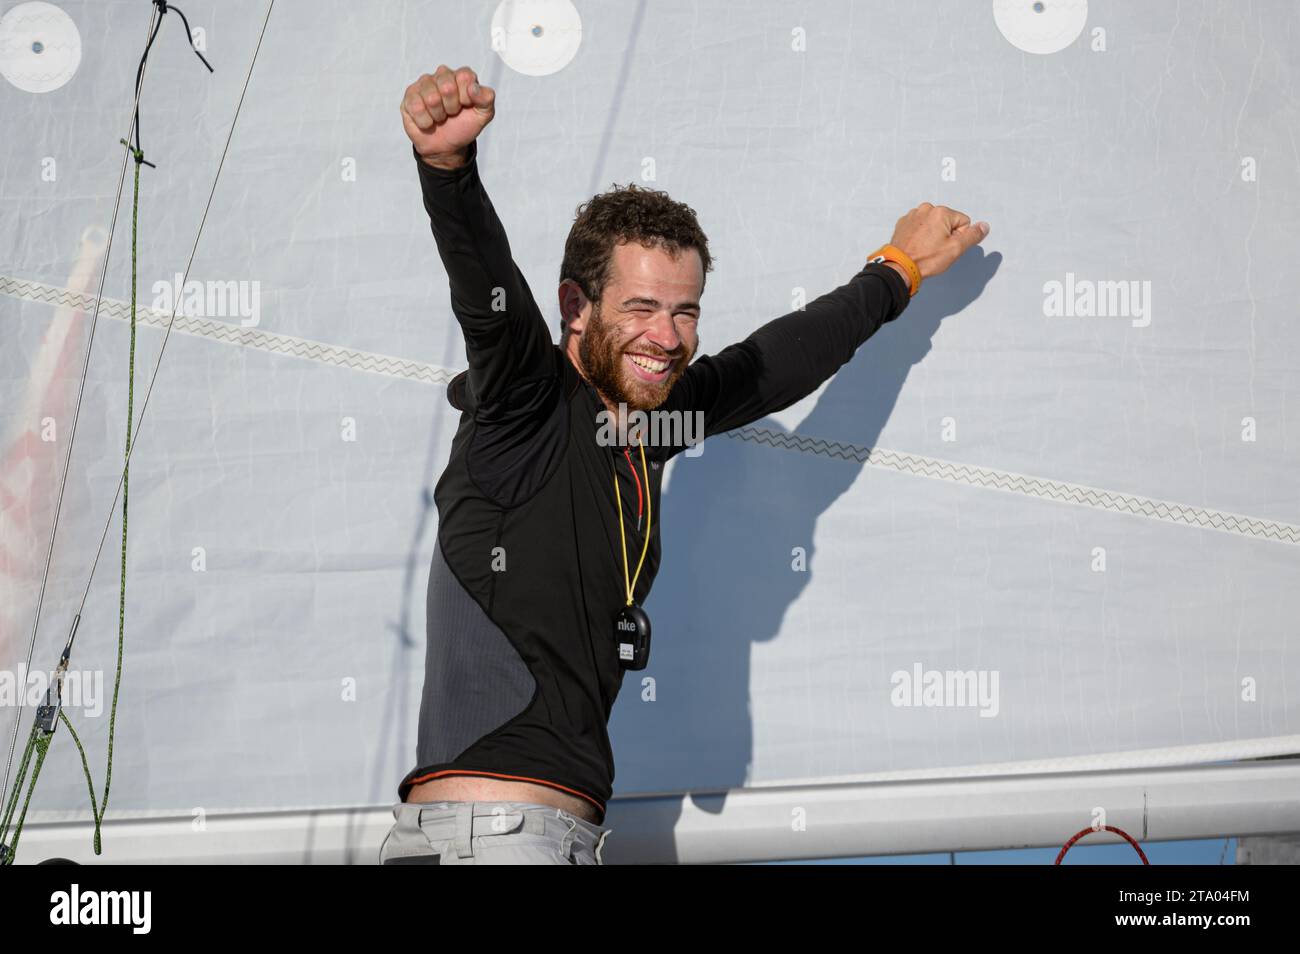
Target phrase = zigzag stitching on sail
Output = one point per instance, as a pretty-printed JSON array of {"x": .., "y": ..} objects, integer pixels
[
  {"x": 1021, "y": 484},
  {"x": 229, "y": 333},
  {"x": 934, "y": 468}
]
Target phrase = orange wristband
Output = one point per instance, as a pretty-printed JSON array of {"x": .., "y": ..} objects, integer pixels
[{"x": 892, "y": 253}]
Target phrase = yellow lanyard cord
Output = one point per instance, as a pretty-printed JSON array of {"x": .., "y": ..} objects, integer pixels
[{"x": 646, "y": 546}]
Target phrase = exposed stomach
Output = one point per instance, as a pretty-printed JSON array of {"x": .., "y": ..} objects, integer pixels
[{"x": 476, "y": 788}]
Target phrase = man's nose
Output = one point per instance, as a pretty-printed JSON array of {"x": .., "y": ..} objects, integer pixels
[{"x": 663, "y": 332}]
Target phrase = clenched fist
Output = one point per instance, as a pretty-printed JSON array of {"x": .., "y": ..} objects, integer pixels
[
  {"x": 444, "y": 113},
  {"x": 935, "y": 236}
]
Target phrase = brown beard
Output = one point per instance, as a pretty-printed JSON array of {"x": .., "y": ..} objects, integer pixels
[{"x": 602, "y": 360}]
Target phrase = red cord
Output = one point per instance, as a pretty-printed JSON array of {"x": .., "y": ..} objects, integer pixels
[
  {"x": 1109, "y": 828},
  {"x": 638, "y": 483}
]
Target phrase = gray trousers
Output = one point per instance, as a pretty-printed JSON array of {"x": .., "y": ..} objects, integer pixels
[{"x": 489, "y": 833}]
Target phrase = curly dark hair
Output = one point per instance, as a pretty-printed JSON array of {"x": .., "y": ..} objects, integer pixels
[{"x": 623, "y": 214}]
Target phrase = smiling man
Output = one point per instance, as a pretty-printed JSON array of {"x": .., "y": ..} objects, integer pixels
[{"x": 548, "y": 532}]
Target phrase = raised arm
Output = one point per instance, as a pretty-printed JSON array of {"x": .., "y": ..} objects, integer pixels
[
  {"x": 506, "y": 339},
  {"x": 789, "y": 357}
]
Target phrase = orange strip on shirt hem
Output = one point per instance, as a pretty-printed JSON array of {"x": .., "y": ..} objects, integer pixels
[{"x": 517, "y": 778}]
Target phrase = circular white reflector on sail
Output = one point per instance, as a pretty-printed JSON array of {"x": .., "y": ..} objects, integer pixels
[
  {"x": 536, "y": 37},
  {"x": 1040, "y": 26},
  {"x": 40, "y": 47}
]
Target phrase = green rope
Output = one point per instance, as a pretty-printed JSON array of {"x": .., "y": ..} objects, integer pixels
[
  {"x": 12, "y": 804},
  {"x": 38, "y": 742},
  {"x": 41, "y": 744},
  {"x": 130, "y": 416},
  {"x": 85, "y": 767},
  {"x": 96, "y": 807}
]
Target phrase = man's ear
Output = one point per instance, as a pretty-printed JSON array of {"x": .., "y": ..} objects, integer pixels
[{"x": 572, "y": 305}]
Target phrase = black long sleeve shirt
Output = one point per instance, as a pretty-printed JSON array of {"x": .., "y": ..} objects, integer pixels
[{"x": 521, "y": 667}]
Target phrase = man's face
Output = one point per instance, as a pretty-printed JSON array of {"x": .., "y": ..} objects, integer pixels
[{"x": 638, "y": 339}]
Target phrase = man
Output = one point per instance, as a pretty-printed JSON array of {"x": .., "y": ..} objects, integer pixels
[{"x": 548, "y": 533}]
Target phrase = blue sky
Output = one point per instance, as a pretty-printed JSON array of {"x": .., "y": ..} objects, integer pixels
[{"x": 1201, "y": 852}]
